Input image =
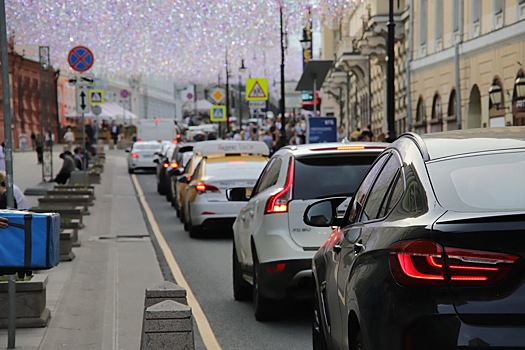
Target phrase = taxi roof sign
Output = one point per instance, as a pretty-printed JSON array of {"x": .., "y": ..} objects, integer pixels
[{"x": 205, "y": 148}]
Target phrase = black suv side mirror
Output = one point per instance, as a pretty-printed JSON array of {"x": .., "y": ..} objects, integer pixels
[{"x": 323, "y": 213}]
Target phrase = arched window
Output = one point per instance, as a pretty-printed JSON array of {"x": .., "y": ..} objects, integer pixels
[
  {"x": 452, "y": 123},
  {"x": 420, "y": 126},
  {"x": 436, "y": 123}
]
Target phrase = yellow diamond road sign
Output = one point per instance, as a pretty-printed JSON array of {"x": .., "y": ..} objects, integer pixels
[
  {"x": 96, "y": 97},
  {"x": 256, "y": 89},
  {"x": 218, "y": 95},
  {"x": 218, "y": 113}
]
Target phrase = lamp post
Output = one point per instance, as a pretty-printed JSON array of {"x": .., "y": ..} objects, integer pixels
[
  {"x": 242, "y": 69},
  {"x": 390, "y": 71},
  {"x": 282, "y": 105},
  {"x": 227, "y": 93}
]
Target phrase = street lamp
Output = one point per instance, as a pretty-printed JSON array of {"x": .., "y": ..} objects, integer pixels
[
  {"x": 227, "y": 94},
  {"x": 495, "y": 93},
  {"x": 520, "y": 85},
  {"x": 242, "y": 69}
]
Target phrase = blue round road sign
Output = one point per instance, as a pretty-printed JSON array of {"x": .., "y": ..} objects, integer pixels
[{"x": 81, "y": 58}]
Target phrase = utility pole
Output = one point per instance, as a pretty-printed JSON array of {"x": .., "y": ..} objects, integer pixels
[
  {"x": 390, "y": 73},
  {"x": 227, "y": 94},
  {"x": 282, "y": 105}
]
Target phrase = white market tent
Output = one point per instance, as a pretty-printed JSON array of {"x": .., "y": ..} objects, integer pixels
[{"x": 110, "y": 111}]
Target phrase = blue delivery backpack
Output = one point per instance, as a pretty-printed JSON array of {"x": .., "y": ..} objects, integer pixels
[{"x": 30, "y": 242}]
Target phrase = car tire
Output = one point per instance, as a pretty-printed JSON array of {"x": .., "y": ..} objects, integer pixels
[
  {"x": 160, "y": 189},
  {"x": 264, "y": 309},
  {"x": 241, "y": 289},
  {"x": 168, "y": 195},
  {"x": 195, "y": 231},
  {"x": 357, "y": 341},
  {"x": 318, "y": 339},
  {"x": 130, "y": 171}
]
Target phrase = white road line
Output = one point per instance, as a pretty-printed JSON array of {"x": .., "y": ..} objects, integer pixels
[{"x": 207, "y": 335}]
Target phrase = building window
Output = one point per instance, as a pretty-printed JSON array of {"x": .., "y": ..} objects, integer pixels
[
  {"x": 476, "y": 18},
  {"x": 521, "y": 9},
  {"x": 452, "y": 123},
  {"x": 423, "y": 18},
  {"x": 420, "y": 126},
  {"x": 436, "y": 123},
  {"x": 498, "y": 8},
  {"x": 438, "y": 25}
]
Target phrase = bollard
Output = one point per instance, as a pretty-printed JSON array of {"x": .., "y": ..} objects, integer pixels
[
  {"x": 165, "y": 291},
  {"x": 167, "y": 325}
]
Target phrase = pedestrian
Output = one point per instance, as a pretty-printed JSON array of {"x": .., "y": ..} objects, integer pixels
[
  {"x": 68, "y": 166},
  {"x": 69, "y": 138},
  {"x": 33, "y": 140},
  {"x": 39, "y": 148},
  {"x": 2, "y": 157},
  {"x": 20, "y": 198},
  {"x": 114, "y": 133},
  {"x": 3, "y": 193},
  {"x": 368, "y": 132},
  {"x": 79, "y": 158}
]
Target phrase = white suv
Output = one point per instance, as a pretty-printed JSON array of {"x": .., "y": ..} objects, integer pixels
[{"x": 273, "y": 248}]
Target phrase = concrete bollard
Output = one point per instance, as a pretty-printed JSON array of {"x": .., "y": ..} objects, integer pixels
[
  {"x": 167, "y": 325},
  {"x": 165, "y": 291}
]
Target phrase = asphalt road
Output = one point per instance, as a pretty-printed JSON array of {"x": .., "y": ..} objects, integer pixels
[{"x": 206, "y": 265}]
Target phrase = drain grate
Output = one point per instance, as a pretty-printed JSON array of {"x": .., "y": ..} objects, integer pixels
[{"x": 122, "y": 238}]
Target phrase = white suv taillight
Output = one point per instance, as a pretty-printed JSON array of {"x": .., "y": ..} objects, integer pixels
[{"x": 278, "y": 203}]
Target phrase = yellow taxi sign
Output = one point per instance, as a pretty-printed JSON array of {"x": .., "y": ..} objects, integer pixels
[
  {"x": 206, "y": 148},
  {"x": 256, "y": 89},
  {"x": 217, "y": 113}
]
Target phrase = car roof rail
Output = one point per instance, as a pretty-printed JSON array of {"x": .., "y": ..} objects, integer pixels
[{"x": 420, "y": 144}]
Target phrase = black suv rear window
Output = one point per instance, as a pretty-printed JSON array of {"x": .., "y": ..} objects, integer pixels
[{"x": 329, "y": 176}]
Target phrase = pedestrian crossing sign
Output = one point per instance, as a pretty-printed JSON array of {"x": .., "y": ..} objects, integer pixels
[
  {"x": 256, "y": 89},
  {"x": 218, "y": 114},
  {"x": 96, "y": 97}
]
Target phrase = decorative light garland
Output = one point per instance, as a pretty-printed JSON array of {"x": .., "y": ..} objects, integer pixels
[{"x": 182, "y": 40}]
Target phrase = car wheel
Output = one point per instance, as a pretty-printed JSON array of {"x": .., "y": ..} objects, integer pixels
[
  {"x": 168, "y": 195},
  {"x": 130, "y": 171},
  {"x": 357, "y": 341},
  {"x": 264, "y": 309},
  {"x": 160, "y": 189},
  {"x": 318, "y": 339},
  {"x": 181, "y": 215},
  {"x": 195, "y": 231},
  {"x": 241, "y": 288}
]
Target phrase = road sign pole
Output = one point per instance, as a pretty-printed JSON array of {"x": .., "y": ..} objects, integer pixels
[
  {"x": 6, "y": 95},
  {"x": 84, "y": 156}
]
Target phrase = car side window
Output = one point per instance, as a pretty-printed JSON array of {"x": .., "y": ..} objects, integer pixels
[
  {"x": 380, "y": 189},
  {"x": 196, "y": 173},
  {"x": 398, "y": 188},
  {"x": 359, "y": 199},
  {"x": 189, "y": 166},
  {"x": 269, "y": 176}
]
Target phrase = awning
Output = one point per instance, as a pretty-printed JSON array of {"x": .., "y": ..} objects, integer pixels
[
  {"x": 314, "y": 72},
  {"x": 110, "y": 110}
]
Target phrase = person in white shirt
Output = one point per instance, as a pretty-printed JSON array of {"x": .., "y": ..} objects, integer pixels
[{"x": 18, "y": 194}]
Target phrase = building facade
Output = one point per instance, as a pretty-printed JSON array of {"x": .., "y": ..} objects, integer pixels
[
  {"x": 33, "y": 100},
  {"x": 467, "y": 64},
  {"x": 458, "y": 64}
]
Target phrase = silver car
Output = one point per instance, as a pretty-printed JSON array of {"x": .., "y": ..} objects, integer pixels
[{"x": 142, "y": 154}]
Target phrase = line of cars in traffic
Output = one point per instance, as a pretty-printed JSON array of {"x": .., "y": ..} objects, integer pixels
[{"x": 418, "y": 244}]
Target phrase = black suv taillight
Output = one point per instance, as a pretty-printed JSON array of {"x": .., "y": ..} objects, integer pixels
[{"x": 426, "y": 263}]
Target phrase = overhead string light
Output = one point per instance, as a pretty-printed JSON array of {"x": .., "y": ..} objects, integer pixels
[{"x": 181, "y": 40}]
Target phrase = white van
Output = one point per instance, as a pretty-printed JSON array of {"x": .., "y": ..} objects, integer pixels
[{"x": 157, "y": 130}]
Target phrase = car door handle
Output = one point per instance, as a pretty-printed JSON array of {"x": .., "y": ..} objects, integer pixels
[
  {"x": 359, "y": 247},
  {"x": 337, "y": 248}
]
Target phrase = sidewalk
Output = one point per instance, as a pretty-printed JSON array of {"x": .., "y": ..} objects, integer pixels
[{"x": 96, "y": 300}]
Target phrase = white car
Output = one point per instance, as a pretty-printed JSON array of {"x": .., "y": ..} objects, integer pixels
[
  {"x": 224, "y": 165},
  {"x": 142, "y": 154},
  {"x": 273, "y": 248}
]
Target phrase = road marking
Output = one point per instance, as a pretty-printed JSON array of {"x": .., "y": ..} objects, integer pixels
[{"x": 208, "y": 337}]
